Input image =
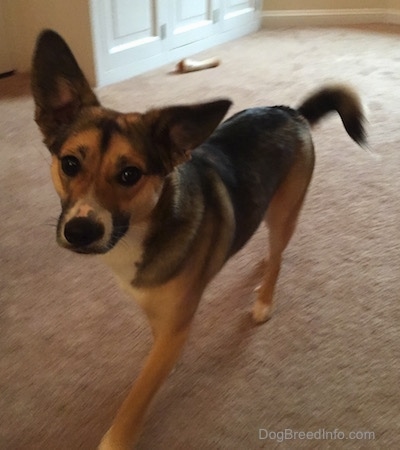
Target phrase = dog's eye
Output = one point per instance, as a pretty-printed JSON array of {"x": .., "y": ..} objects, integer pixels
[
  {"x": 70, "y": 165},
  {"x": 129, "y": 176}
]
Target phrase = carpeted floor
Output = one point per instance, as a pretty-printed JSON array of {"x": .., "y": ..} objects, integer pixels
[{"x": 72, "y": 343}]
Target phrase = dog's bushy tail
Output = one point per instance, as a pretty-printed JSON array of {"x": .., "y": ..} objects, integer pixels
[{"x": 344, "y": 101}]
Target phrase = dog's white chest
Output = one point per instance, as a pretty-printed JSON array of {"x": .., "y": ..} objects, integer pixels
[{"x": 125, "y": 256}]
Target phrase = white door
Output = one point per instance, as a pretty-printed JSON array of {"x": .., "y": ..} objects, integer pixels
[
  {"x": 5, "y": 54},
  {"x": 191, "y": 21},
  {"x": 127, "y": 34},
  {"x": 133, "y": 36},
  {"x": 237, "y": 13}
]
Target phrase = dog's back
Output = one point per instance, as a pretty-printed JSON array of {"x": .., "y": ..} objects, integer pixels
[{"x": 252, "y": 152}]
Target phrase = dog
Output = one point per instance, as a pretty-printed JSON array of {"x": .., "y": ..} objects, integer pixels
[{"x": 166, "y": 197}]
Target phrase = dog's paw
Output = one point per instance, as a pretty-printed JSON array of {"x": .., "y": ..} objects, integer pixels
[
  {"x": 261, "y": 312},
  {"x": 108, "y": 443}
]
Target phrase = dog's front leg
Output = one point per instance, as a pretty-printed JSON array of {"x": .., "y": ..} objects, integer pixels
[
  {"x": 170, "y": 329},
  {"x": 129, "y": 420}
]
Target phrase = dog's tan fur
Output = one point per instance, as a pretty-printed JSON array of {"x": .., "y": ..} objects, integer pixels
[
  {"x": 281, "y": 219},
  {"x": 167, "y": 233}
]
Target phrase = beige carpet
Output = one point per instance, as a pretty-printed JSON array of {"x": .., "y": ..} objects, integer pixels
[{"x": 71, "y": 342}]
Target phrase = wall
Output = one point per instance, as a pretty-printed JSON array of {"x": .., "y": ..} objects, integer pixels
[
  {"x": 393, "y": 4},
  {"x": 6, "y": 62},
  {"x": 71, "y": 18},
  {"x": 283, "y": 13},
  {"x": 272, "y": 5}
]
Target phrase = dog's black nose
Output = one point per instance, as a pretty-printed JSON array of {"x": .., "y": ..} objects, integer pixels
[{"x": 81, "y": 231}]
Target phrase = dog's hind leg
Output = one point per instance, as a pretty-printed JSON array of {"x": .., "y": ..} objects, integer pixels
[{"x": 281, "y": 219}]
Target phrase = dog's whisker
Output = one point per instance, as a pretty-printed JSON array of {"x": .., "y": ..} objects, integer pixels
[
  {"x": 124, "y": 242},
  {"x": 51, "y": 223}
]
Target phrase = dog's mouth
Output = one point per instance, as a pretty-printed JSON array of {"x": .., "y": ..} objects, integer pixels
[{"x": 86, "y": 235}]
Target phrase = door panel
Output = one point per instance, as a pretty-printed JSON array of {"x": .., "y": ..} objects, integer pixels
[
  {"x": 137, "y": 23},
  {"x": 238, "y": 12},
  {"x": 190, "y": 21},
  {"x": 127, "y": 31}
]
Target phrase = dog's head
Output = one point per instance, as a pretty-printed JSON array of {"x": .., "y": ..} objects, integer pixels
[{"x": 108, "y": 168}]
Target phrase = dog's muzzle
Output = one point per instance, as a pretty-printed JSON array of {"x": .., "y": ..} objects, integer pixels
[
  {"x": 88, "y": 228},
  {"x": 81, "y": 232},
  {"x": 91, "y": 234}
]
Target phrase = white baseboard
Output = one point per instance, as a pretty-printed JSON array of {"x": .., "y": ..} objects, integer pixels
[{"x": 299, "y": 18}]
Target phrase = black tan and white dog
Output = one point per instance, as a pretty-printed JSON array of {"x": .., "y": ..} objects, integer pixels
[{"x": 166, "y": 197}]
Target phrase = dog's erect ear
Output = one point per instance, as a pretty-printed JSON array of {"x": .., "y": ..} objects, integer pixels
[
  {"x": 59, "y": 88},
  {"x": 179, "y": 129}
]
